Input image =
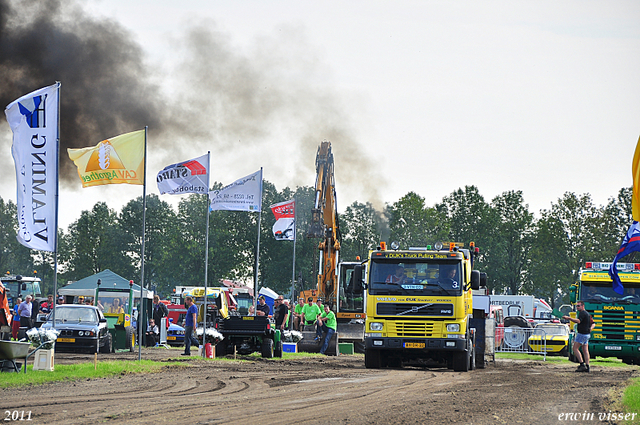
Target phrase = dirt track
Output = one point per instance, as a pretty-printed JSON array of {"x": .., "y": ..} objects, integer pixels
[{"x": 319, "y": 390}]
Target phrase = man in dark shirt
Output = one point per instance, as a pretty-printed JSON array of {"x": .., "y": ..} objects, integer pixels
[
  {"x": 160, "y": 310},
  {"x": 263, "y": 308},
  {"x": 280, "y": 312},
  {"x": 583, "y": 334}
]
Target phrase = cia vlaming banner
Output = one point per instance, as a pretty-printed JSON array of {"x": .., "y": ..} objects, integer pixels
[{"x": 33, "y": 119}]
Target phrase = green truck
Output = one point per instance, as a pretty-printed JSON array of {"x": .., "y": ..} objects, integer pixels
[{"x": 617, "y": 317}]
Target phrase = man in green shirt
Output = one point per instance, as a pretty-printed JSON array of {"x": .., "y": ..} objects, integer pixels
[
  {"x": 297, "y": 315},
  {"x": 326, "y": 323},
  {"x": 310, "y": 312}
]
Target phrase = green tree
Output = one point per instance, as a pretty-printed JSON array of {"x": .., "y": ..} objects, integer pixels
[
  {"x": 548, "y": 272},
  {"x": 95, "y": 242},
  {"x": 411, "y": 223},
  {"x": 361, "y": 227},
  {"x": 511, "y": 242},
  {"x": 14, "y": 257},
  {"x": 160, "y": 219}
]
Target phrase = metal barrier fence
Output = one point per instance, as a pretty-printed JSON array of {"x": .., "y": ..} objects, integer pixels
[{"x": 523, "y": 340}]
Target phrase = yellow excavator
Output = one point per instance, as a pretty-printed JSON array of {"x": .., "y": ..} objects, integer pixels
[{"x": 334, "y": 286}]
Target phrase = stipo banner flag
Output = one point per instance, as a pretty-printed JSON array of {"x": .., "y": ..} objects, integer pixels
[
  {"x": 34, "y": 122},
  {"x": 284, "y": 229},
  {"x": 244, "y": 194},
  {"x": 190, "y": 176},
  {"x": 118, "y": 160}
]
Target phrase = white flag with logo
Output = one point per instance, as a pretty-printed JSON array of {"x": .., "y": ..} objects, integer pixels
[
  {"x": 185, "y": 177},
  {"x": 244, "y": 194},
  {"x": 34, "y": 121}
]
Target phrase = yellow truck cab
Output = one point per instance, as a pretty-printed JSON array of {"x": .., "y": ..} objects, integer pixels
[
  {"x": 419, "y": 305},
  {"x": 216, "y": 302}
]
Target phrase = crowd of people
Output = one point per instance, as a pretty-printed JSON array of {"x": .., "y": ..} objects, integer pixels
[{"x": 310, "y": 315}]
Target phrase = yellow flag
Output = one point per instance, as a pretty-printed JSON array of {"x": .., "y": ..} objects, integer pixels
[
  {"x": 113, "y": 161},
  {"x": 635, "y": 197}
]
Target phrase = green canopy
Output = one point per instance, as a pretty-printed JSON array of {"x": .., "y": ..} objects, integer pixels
[{"x": 108, "y": 279}]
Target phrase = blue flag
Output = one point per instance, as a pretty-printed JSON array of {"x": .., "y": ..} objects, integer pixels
[{"x": 631, "y": 243}]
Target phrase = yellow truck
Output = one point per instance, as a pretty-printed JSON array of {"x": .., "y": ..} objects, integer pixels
[{"x": 419, "y": 305}]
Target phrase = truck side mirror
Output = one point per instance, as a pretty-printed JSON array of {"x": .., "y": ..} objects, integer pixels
[
  {"x": 475, "y": 279},
  {"x": 573, "y": 293},
  {"x": 483, "y": 280},
  {"x": 357, "y": 275}
]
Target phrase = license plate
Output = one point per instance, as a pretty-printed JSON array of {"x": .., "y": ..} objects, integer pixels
[
  {"x": 613, "y": 347},
  {"x": 66, "y": 339},
  {"x": 171, "y": 338},
  {"x": 414, "y": 345}
]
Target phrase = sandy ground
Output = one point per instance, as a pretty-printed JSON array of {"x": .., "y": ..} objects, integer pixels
[{"x": 322, "y": 390}]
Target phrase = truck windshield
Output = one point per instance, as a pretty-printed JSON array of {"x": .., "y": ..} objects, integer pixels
[
  {"x": 388, "y": 277},
  {"x": 603, "y": 292},
  {"x": 15, "y": 289}
]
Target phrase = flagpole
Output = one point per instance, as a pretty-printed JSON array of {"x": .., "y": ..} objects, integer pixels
[
  {"x": 206, "y": 262},
  {"x": 55, "y": 255},
  {"x": 141, "y": 313},
  {"x": 255, "y": 277},
  {"x": 293, "y": 267}
]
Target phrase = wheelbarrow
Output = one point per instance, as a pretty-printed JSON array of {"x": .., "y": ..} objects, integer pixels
[{"x": 12, "y": 350}]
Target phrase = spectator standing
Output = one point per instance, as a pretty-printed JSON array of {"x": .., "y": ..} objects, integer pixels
[
  {"x": 190, "y": 325},
  {"x": 160, "y": 310},
  {"x": 583, "y": 333},
  {"x": 326, "y": 324},
  {"x": 263, "y": 308},
  {"x": 15, "y": 324},
  {"x": 24, "y": 311},
  {"x": 280, "y": 312},
  {"x": 310, "y": 312}
]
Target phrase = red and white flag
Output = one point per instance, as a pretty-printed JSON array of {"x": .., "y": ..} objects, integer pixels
[
  {"x": 284, "y": 228},
  {"x": 190, "y": 176}
]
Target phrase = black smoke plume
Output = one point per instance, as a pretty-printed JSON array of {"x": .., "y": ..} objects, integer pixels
[{"x": 270, "y": 106}]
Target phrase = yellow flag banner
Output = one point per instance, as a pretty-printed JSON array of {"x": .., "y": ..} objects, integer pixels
[
  {"x": 635, "y": 198},
  {"x": 113, "y": 161}
]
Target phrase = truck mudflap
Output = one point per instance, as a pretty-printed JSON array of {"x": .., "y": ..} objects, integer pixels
[{"x": 424, "y": 344}]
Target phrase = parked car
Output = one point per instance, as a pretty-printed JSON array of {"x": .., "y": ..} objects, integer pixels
[
  {"x": 82, "y": 328},
  {"x": 556, "y": 336},
  {"x": 175, "y": 335}
]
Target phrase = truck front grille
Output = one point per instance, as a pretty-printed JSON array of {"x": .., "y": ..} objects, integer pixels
[{"x": 413, "y": 329}]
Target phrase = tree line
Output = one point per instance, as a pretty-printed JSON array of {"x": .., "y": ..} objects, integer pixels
[{"x": 520, "y": 253}]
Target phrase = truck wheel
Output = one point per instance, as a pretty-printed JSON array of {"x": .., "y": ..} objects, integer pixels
[
  {"x": 358, "y": 347},
  {"x": 461, "y": 360},
  {"x": 221, "y": 349},
  {"x": 106, "y": 348},
  {"x": 267, "y": 348},
  {"x": 372, "y": 359},
  {"x": 130, "y": 338},
  {"x": 277, "y": 350}
]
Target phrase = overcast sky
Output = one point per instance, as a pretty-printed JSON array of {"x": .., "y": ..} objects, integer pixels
[{"x": 423, "y": 96}]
